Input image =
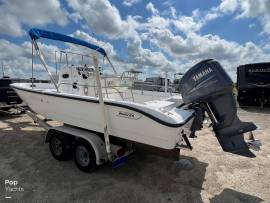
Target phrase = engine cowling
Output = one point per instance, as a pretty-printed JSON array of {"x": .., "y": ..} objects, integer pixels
[{"x": 208, "y": 83}]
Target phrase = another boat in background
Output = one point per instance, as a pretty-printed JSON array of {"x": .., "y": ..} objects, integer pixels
[{"x": 8, "y": 97}]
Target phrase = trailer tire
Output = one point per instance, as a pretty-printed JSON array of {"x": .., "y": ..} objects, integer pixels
[
  {"x": 60, "y": 146},
  {"x": 84, "y": 156}
]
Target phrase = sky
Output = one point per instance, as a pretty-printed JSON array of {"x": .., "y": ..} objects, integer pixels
[{"x": 151, "y": 36}]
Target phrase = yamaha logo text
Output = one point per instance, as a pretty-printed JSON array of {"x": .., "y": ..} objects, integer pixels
[{"x": 202, "y": 74}]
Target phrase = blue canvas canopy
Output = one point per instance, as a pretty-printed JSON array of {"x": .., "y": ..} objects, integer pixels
[{"x": 38, "y": 33}]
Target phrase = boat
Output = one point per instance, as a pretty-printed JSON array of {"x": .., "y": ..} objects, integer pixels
[
  {"x": 8, "y": 97},
  {"x": 105, "y": 104},
  {"x": 152, "y": 87},
  {"x": 253, "y": 84},
  {"x": 176, "y": 82}
]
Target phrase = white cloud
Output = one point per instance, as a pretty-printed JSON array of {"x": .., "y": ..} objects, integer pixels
[
  {"x": 174, "y": 39},
  {"x": 256, "y": 9},
  {"x": 228, "y": 6},
  {"x": 244, "y": 9},
  {"x": 75, "y": 17},
  {"x": 11, "y": 69},
  {"x": 93, "y": 11},
  {"x": 266, "y": 47},
  {"x": 48, "y": 50},
  {"x": 173, "y": 11},
  {"x": 145, "y": 57},
  {"x": 168, "y": 3},
  {"x": 9, "y": 51},
  {"x": 198, "y": 19},
  {"x": 224, "y": 8},
  {"x": 16, "y": 13},
  {"x": 120, "y": 64},
  {"x": 86, "y": 37},
  {"x": 155, "y": 22},
  {"x": 17, "y": 59},
  {"x": 104, "y": 18},
  {"x": 252, "y": 25},
  {"x": 187, "y": 24},
  {"x": 10, "y": 25},
  {"x": 150, "y": 7},
  {"x": 130, "y": 2},
  {"x": 183, "y": 50},
  {"x": 138, "y": 56},
  {"x": 251, "y": 8},
  {"x": 193, "y": 47}
]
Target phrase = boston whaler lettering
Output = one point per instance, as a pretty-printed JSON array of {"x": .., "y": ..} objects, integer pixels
[{"x": 97, "y": 119}]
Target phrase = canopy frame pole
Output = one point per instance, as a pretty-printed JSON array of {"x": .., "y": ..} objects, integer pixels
[
  {"x": 56, "y": 65},
  {"x": 41, "y": 57},
  {"x": 66, "y": 58},
  {"x": 32, "y": 77},
  {"x": 166, "y": 82},
  {"x": 3, "y": 72},
  {"x": 103, "y": 109},
  {"x": 60, "y": 61},
  {"x": 82, "y": 60},
  {"x": 111, "y": 64}
]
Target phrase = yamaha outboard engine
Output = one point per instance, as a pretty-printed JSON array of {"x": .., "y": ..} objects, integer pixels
[{"x": 208, "y": 84}]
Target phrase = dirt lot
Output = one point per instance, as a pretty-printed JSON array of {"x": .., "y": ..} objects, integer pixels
[{"x": 206, "y": 174}]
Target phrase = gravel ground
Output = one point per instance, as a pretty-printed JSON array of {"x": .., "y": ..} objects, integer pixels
[{"x": 205, "y": 174}]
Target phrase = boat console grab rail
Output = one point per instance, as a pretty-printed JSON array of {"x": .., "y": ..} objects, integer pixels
[{"x": 105, "y": 87}]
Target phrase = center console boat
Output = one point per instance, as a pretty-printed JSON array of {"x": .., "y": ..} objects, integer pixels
[{"x": 85, "y": 98}]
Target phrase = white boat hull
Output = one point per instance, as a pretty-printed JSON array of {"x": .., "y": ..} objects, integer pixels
[{"x": 123, "y": 121}]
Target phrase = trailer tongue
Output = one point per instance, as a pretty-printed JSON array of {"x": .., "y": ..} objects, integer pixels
[{"x": 208, "y": 85}]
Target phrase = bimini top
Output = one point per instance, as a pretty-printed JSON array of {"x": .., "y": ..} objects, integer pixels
[{"x": 37, "y": 33}]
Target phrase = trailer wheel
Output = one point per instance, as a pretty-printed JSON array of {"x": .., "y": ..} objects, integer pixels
[
  {"x": 84, "y": 156},
  {"x": 60, "y": 146}
]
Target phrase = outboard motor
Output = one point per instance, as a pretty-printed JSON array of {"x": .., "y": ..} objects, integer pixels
[{"x": 208, "y": 84}]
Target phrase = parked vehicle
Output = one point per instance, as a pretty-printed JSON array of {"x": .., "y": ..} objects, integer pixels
[
  {"x": 253, "y": 84},
  {"x": 8, "y": 97}
]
